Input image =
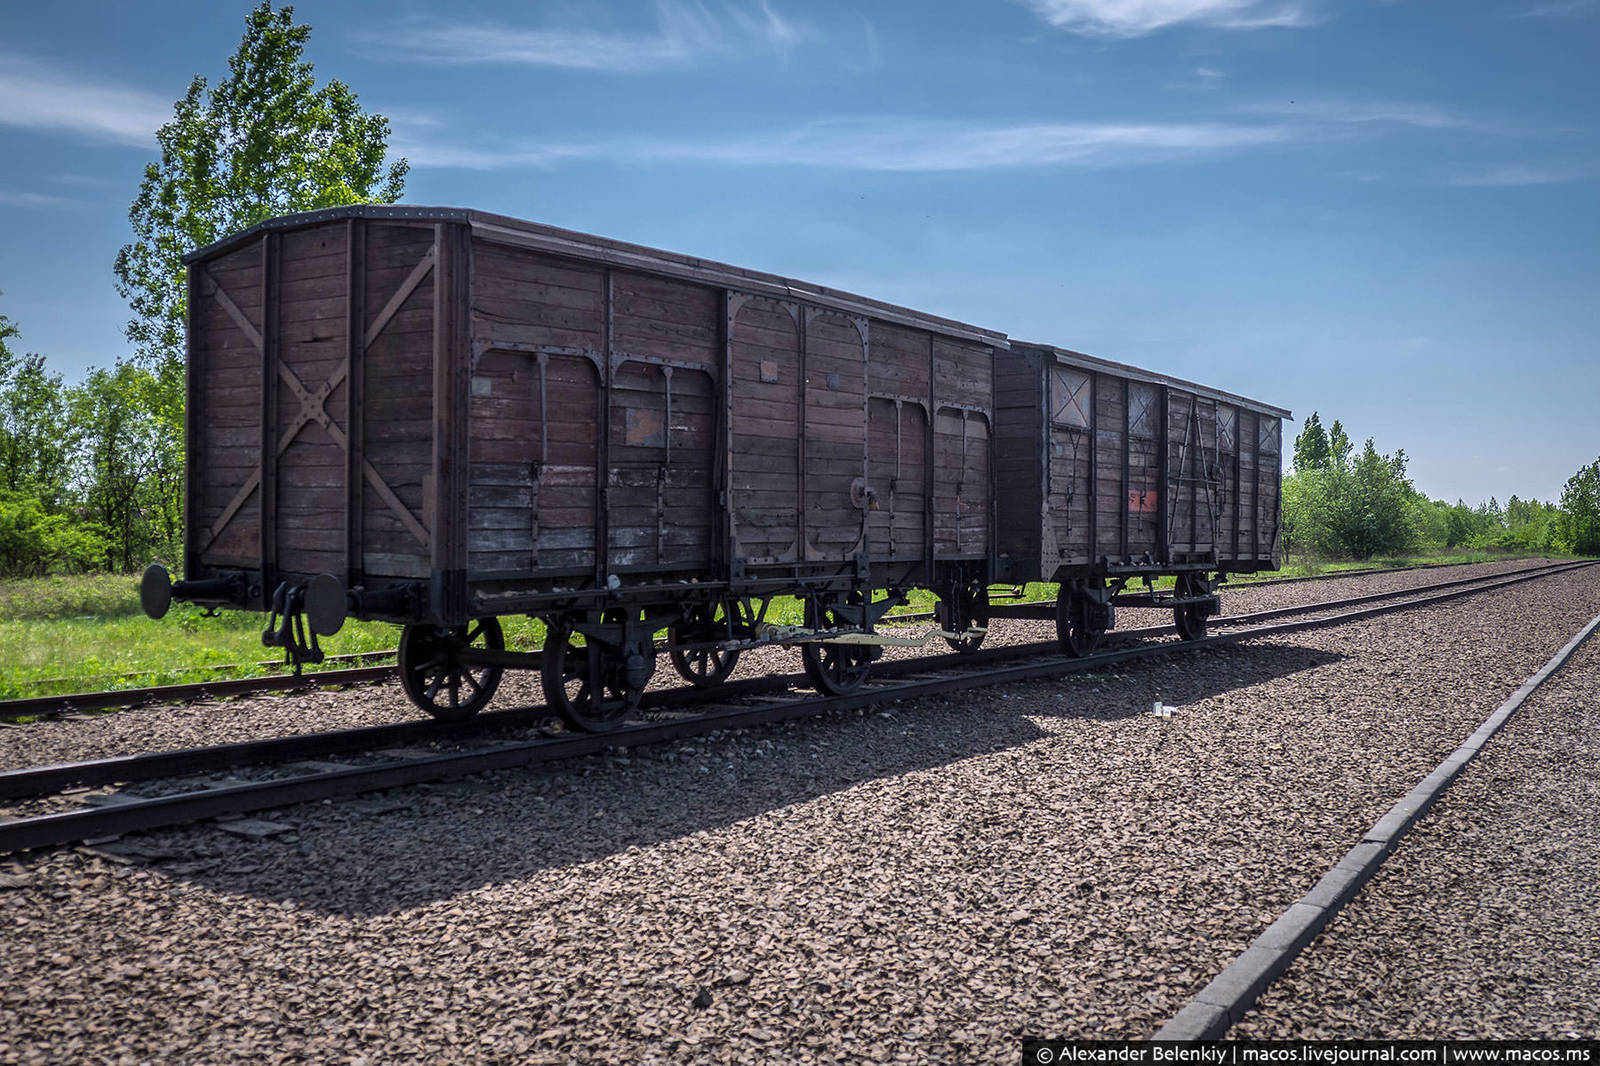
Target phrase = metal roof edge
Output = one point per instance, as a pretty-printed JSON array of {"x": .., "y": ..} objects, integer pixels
[
  {"x": 508, "y": 230},
  {"x": 1095, "y": 362}
]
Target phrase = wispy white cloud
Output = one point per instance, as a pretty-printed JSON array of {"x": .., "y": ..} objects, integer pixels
[
  {"x": 1357, "y": 112},
  {"x": 1560, "y": 9},
  {"x": 685, "y": 32},
  {"x": 888, "y": 144},
  {"x": 1136, "y": 18},
  {"x": 37, "y": 96},
  {"x": 1508, "y": 175},
  {"x": 34, "y": 199}
]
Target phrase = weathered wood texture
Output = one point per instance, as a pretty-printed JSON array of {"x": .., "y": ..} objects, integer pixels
[
  {"x": 835, "y": 436},
  {"x": 1087, "y": 470},
  {"x": 398, "y": 403},
  {"x": 392, "y": 396},
  {"x": 963, "y": 376},
  {"x": 1019, "y": 470},
  {"x": 225, "y": 326},
  {"x": 764, "y": 444}
]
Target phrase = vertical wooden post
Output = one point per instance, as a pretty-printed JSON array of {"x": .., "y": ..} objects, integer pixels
[
  {"x": 1127, "y": 448},
  {"x": 803, "y": 322},
  {"x": 193, "y": 373},
  {"x": 723, "y": 493},
  {"x": 1239, "y": 474},
  {"x": 602, "y": 483},
  {"x": 1094, "y": 465},
  {"x": 451, "y": 391},
  {"x": 269, "y": 414},
  {"x": 930, "y": 468},
  {"x": 355, "y": 399},
  {"x": 1165, "y": 480}
]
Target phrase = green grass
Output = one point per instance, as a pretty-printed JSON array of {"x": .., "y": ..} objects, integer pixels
[
  {"x": 87, "y": 633},
  {"x": 1313, "y": 566}
]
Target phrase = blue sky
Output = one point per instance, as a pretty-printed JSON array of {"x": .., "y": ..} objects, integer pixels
[{"x": 1384, "y": 210}]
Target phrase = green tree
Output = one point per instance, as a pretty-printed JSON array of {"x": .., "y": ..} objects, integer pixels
[
  {"x": 1580, "y": 511},
  {"x": 265, "y": 141},
  {"x": 122, "y": 448},
  {"x": 1311, "y": 446},
  {"x": 36, "y": 448},
  {"x": 1338, "y": 445}
]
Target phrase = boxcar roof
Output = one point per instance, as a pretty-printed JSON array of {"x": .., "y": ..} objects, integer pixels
[
  {"x": 1094, "y": 362},
  {"x": 588, "y": 247}
]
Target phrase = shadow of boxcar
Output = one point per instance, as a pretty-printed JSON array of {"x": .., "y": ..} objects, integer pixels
[{"x": 411, "y": 847}]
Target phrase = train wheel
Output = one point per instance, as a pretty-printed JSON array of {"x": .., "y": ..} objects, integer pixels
[
  {"x": 1190, "y": 620},
  {"x": 1074, "y": 628},
  {"x": 836, "y": 669},
  {"x": 702, "y": 667},
  {"x": 433, "y": 676},
  {"x": 962, "y": 615},
  {"x": 580, "y": 682}
]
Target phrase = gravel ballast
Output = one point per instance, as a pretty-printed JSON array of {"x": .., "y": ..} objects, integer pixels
[
  {"x": 927, "y": 883},
  {"x": 1494, "y": 893},
  {"x": 168, "y": 727}
]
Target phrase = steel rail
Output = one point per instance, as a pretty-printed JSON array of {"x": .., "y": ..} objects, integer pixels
[
  {"x": 182, "y": 808},
  {"x": 53, "y": 706},
  {"x": 44, "y": 780}
]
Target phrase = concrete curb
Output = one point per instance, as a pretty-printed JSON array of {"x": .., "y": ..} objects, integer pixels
[{"x": 1220, "y": 1004}]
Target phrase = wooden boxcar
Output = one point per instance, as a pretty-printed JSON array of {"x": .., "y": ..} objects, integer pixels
[
  {"x": 1108, "y": 474},
  {"x": 436, "y": 417}
]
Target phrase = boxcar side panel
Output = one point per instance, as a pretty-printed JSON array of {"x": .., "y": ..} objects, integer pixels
[
  {"x": 1111, "y": 470},
  {"x": 1146, "y": 470},
  {"x": 535, "y": 450},
  {"x": 665, "y": 340},
  {"x": 1269, "y": 458},
  {"x": 963, "y": 378},
  {"x": 1019, "y": 471},
  {"x": 661, "y": 449},
  {"x": 1070, "y": 407},
  {"x": 397, "y": 407},
  {"x": 312, "y": 402},
  {"x": 524, "y": 298},
  {"x": 1249, "y": 488},
  {"x": 764, "y": 452},
  {"x": 225, "y": 335},
  {"x": 898, "y": 386},
  {"x": 1227, "y": 434},
  {"x": 897, "y": 458},
  {"x": 835, "y": 435},
  {"x": 1191, "y": 498}
]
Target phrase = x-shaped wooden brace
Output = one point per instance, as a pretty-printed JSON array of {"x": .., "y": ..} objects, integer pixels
[
  {"x": 1141, "y": 411},
  {"x": 313, "y": 406},
  {"x": 1071, "y": 400}
]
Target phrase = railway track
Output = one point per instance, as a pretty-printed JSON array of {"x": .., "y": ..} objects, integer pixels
[
  {"x": 296, "y": 769},
  {"x": 55, "y": 706}
]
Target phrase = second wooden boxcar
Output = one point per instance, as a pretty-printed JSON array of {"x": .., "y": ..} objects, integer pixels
[{"x": 1107, "y": 474}]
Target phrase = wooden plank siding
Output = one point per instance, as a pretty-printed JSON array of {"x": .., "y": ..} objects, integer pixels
[
  {"x": 835, "y": 436},
  {"x": 226, "y": 363},
  {"x": 1019, "y": 461},
  {"x": 1096, "y": 467},
  {"x": 398, "y": 402},
  {"x": 434, "y": 395},
  {"x": 766, "y": 388},
  {"x": 963, "y": 400}
]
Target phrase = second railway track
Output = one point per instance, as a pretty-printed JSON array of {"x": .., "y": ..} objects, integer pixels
[
  {"x": 676, "y": 715},
  {"x": 56, "y": 705}
]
